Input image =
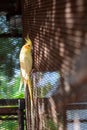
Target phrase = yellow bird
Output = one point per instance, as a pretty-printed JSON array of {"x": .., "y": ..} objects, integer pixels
[
  {"x": 26, "y": 65},
  {"x": 26, "y": 68}
]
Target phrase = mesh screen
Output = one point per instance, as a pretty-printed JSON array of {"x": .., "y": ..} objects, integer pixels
[
  {"x": 9, "y": 57},
  {"x": 9, "y": 67},
  {"x": 12, "y": 115},
  {"x": 10, "y": 73},
  {"x": 76, "y": 117},
  {"x": 58, "y": 31},
  {"x": 8, "y": 125}
]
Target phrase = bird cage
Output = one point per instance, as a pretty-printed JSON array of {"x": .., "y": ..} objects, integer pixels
[
  {"x": 58, "y": 32},
  {"x": 12, "y": 115}
]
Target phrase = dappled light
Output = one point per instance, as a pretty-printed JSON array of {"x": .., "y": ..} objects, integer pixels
[
  {"x": 58, "y": 31},
  {"x": 68, "y": 15}
]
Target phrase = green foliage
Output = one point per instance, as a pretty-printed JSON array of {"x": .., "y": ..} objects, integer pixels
[
  {"x": 8, "y": 125},
  {"x": 51, "y": 125},
  {"x": 9, "y": 70},
  {"x": 9, "y": 51},
  {"x": 9, "y": 56},
  {"x": 10, "y": 89},
  {"x": 44, "y": 90}
]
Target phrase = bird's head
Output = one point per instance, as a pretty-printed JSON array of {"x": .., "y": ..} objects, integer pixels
[{"x": 28, "y": 44}]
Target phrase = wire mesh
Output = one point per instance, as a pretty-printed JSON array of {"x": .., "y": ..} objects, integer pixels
[
  {"x": 45, "y": 109},
  {"x": 58, "y": 31},
  {"x": 9, "y": 60},
  {"x": 10, "y": 114},
  {"x": 77, "y": 116},
  {"x": 9, "y": 67},
  {"x": 8, "y": 125}
]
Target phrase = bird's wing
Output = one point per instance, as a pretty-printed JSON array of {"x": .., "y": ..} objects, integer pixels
[{"x": 26, "y": 66}]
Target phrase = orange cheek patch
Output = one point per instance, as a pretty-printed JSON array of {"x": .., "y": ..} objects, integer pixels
[{"x": 27, "y": 47}]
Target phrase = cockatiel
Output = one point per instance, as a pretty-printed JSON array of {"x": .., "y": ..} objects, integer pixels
[
  {"x": 26, "y": 68},
  {"x": 26, "y": 65}
]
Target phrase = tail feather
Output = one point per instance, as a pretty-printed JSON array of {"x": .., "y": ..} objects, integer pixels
[
  {"x": 30, "y": 89},
  {"x": 21, "y": 84},
  {"x": 31, "y": 100}
]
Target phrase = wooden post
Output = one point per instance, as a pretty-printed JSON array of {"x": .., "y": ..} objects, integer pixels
[
  {"x": 64, "y": 118},
  {"x": 21, "y": 107},
  {"x": 27, "y": 108}
]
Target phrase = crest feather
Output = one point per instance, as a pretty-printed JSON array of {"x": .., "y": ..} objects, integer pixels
[{"x": 28, "y": 40}]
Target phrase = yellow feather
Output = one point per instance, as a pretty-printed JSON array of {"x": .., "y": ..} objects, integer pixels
[{"x": 26, "y": 68}]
